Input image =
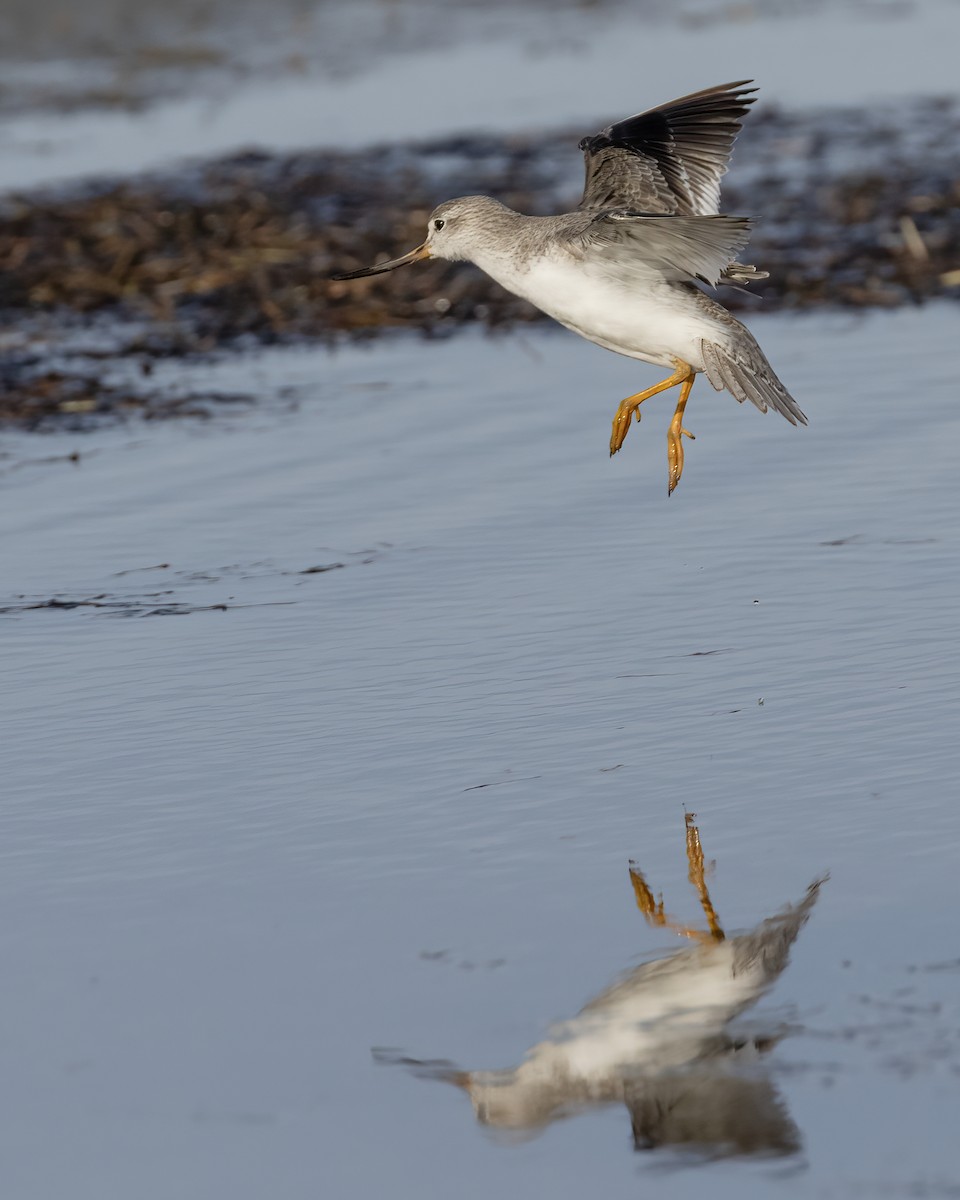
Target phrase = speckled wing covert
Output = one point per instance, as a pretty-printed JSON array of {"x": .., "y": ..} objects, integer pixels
[
  {"x": 627, "y": 245},
  {"x": 670, "y": 159}
]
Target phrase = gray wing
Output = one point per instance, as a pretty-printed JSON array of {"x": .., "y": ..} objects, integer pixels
[
  {"x": 670, "y": 159},
  {"x": 629, "y": 245}
]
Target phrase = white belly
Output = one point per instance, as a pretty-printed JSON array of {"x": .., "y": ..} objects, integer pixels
[{"x": 647, "y": 319}]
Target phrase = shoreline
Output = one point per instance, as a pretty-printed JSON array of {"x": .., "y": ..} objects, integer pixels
[{"x": 237, "y": 252}]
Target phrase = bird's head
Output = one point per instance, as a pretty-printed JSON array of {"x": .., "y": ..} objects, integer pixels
[{"x": 453, "y": 231}]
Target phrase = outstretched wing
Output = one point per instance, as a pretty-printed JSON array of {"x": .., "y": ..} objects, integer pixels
[
  {"x": 627, "y": 245},
  {"x": 670, "y": 159}
]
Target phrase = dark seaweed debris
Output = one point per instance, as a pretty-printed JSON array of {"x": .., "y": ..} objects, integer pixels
[
  {"x": 152, "y": 607},
  {"x": 240, "y": 251},
  {"x": 35, "y": 396}
]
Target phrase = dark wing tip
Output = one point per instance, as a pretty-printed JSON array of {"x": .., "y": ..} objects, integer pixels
[
  {"x": 739, "y": 88},
  {"x": 737, "y": 83},
  {"x": 739, "y": 91}
]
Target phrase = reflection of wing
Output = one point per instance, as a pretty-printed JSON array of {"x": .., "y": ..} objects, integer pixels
[
  {"x": 710, "y": 1110},
  {"x": 670, "y": 159}
]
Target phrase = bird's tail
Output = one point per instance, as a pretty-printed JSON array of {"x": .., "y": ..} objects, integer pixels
[
  {"x": 769, "y": 944},
  {"x": 742, "y": 369}
]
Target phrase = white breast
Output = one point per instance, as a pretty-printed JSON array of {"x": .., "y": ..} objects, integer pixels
[{"x": 646, "y": 318}]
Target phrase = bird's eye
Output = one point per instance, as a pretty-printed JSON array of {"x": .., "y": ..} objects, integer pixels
[{"x": 439, "y": 224}]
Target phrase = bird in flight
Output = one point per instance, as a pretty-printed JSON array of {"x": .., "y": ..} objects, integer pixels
[{"x": 625, "y": 269}]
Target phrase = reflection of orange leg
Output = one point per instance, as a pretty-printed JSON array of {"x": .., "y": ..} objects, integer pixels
[
  {"x": 697, "y": 876},
  {"x": 653, "y": 910},
  {"x": 683, "y": 374}
]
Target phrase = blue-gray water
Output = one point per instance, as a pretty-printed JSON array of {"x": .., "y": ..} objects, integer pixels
[
  {"x": 234, "y": 843},
  {"x": 157, "y": 89}
]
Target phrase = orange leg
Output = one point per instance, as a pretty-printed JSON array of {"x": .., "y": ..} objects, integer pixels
[
  {"x": 683, "y": 373},
  {"x": 675, "y": 435}
]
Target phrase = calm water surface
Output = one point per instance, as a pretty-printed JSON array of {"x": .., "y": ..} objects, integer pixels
[
  {"x": 392, "y": 803},
  {"x": 367, "y": 73}
]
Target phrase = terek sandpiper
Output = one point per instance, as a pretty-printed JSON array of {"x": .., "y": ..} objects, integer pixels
[{"x": 623, "y": 270}]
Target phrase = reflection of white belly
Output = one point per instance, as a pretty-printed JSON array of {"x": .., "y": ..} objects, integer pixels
[
  {"x": 661, "y": 1022},
  {"x": 647, "y": 319}
]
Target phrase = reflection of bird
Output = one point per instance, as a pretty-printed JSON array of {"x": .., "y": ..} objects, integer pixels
[
  {"x": 657, "y": 1041},
  {"x": 622, "y": 270},
  {"x": 712, "y": 1109}
]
